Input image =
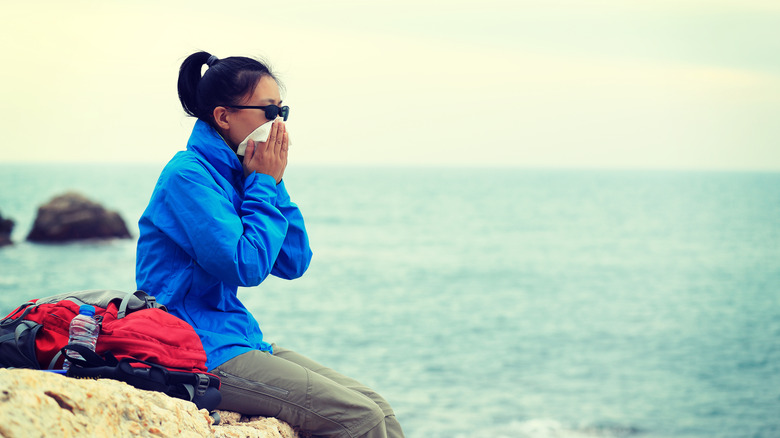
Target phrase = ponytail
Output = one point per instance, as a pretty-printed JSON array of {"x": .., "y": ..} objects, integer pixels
[
  {"x": 225, "y": 82},
  {"x": 189, "y": 78}
]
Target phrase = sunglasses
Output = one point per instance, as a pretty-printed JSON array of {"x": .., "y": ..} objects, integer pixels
[{"x": 271, "y": 111}]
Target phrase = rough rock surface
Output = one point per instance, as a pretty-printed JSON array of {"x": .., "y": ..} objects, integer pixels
[
  {"x": 6, "y": 226},
  {"x": 71, "y": 216},
  {"x": 39, "y": 403},
  {"x": 234, "y": 425}
]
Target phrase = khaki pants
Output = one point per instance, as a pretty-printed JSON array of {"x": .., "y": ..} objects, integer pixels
[{"x": 293, "y": 388}]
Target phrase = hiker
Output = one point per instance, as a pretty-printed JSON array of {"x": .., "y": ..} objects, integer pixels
[{"x": 218, "y": 220}]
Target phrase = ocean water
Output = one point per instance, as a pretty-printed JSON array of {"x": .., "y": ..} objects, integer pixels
[{"x": 496, "y": 302}]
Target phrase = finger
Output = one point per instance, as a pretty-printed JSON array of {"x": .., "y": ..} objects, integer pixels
[
  {"x": 250, "y": 150},
  {"x": 271, "y": 141},
  {"x": 285, "y": 145},
  {"x": 279, "y": 140}
]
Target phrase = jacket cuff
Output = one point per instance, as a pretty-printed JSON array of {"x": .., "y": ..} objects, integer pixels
[
  {"x": 261, "y": 186},
  {"x": 282, "y": 197}
]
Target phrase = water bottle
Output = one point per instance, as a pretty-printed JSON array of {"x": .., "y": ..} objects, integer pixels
[{"x": 84, "y": 331}]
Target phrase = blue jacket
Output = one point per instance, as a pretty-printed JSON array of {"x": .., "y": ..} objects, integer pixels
[{"x": 208, "y": 230}]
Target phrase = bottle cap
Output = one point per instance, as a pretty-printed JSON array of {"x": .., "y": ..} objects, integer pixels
[{"x": 86, "y": 309}]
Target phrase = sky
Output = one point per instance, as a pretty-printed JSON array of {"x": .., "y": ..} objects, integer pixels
[{"x": 640, "y": 84}]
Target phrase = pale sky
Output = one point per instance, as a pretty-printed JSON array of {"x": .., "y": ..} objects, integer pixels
[{"x": 672, "y": 84}]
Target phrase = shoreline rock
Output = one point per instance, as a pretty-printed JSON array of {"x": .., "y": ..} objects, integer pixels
[
  {"x": 71, "y": 216},
  {"x": 6, "y": 227},
  {"x": 40, "y": 403}
]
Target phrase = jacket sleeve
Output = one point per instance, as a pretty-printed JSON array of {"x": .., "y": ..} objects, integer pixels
[
  {"x": 237, "y": 247},
  {"x": 295, "y": 254}
]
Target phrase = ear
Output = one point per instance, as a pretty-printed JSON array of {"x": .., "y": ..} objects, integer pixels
[{"x": 221, "y": 117}]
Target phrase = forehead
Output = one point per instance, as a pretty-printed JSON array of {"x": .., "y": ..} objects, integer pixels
[{"x": 266, "y": 91}]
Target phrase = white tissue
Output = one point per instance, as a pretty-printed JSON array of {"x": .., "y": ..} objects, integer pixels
[{"x": 260, "y": 134}]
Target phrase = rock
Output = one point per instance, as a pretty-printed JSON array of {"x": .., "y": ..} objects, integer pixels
[
  {"x": 6, "y": 226},
  {"x": 39, "y": 403},
  {"x": 234, "y": 425},
  {"x": 71, "y": 216}
]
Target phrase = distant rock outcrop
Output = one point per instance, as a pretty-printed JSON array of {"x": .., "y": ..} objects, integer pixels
[
  {"x": 38, "y": 403},
  {"x": 71, "y": 216},
  {"x": 6, "y": 226}
]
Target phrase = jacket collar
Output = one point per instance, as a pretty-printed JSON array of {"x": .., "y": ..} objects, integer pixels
[{"x": 206, "y": 142}]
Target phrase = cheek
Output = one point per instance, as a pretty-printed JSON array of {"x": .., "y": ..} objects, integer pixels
[
  {"x": 241, "y": 131},
  {"x": 240, "y": 135}
]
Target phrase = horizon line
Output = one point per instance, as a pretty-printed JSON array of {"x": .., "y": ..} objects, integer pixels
[{"x": 499, "y": 166}]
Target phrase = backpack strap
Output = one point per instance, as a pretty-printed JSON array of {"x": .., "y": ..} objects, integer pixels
[
  {"x": 150, "y": 302},
  {"x": 28, "y": 306},
  {"x": 17, "y": 339},
  {"x": 54, "y": 360},
  {"x": 22, "y": 327},
  {"x": 89, "y": 359},
  {"x": 153, "y": 377}
]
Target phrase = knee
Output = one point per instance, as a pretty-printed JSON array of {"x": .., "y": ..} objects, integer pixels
[
  {"x": 370, "y": 414},
  {"x": 377, "y": 399},
  {"x": 384, "y": 406},
  {"x": 375, "y": 413}
]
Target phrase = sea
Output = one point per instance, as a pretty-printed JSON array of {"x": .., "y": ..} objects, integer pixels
[{"x": 494, "y": 302}]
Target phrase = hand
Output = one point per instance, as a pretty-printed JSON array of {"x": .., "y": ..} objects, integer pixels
[{"x": 268, "y": 157}]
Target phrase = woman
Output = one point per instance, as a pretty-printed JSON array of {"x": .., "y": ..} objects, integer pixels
[{"x": 217, "y": 221}]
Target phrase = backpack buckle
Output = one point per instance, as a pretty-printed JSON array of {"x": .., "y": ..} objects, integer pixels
[
  {"x": 203, "y": 384},
  {"x": 151, "y": 302}
]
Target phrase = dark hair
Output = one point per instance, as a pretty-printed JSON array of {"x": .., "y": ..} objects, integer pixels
[{"x": 225, "y": 82}]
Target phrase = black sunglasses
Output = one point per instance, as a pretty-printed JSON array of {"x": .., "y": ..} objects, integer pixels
[{"x": 271, "y": 111}]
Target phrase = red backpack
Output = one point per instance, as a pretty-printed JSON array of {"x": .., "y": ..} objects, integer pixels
[{"x": 134, "y": 329}]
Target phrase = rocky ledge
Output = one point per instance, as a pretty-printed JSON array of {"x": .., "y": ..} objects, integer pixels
[
  {"x": 6, "y": 226},
  {"x": 39, "y": 403},
  {"x": 71, "y": 216}
]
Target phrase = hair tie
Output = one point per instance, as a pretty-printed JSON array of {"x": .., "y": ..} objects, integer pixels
[{"x": 212, "y": 60}]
